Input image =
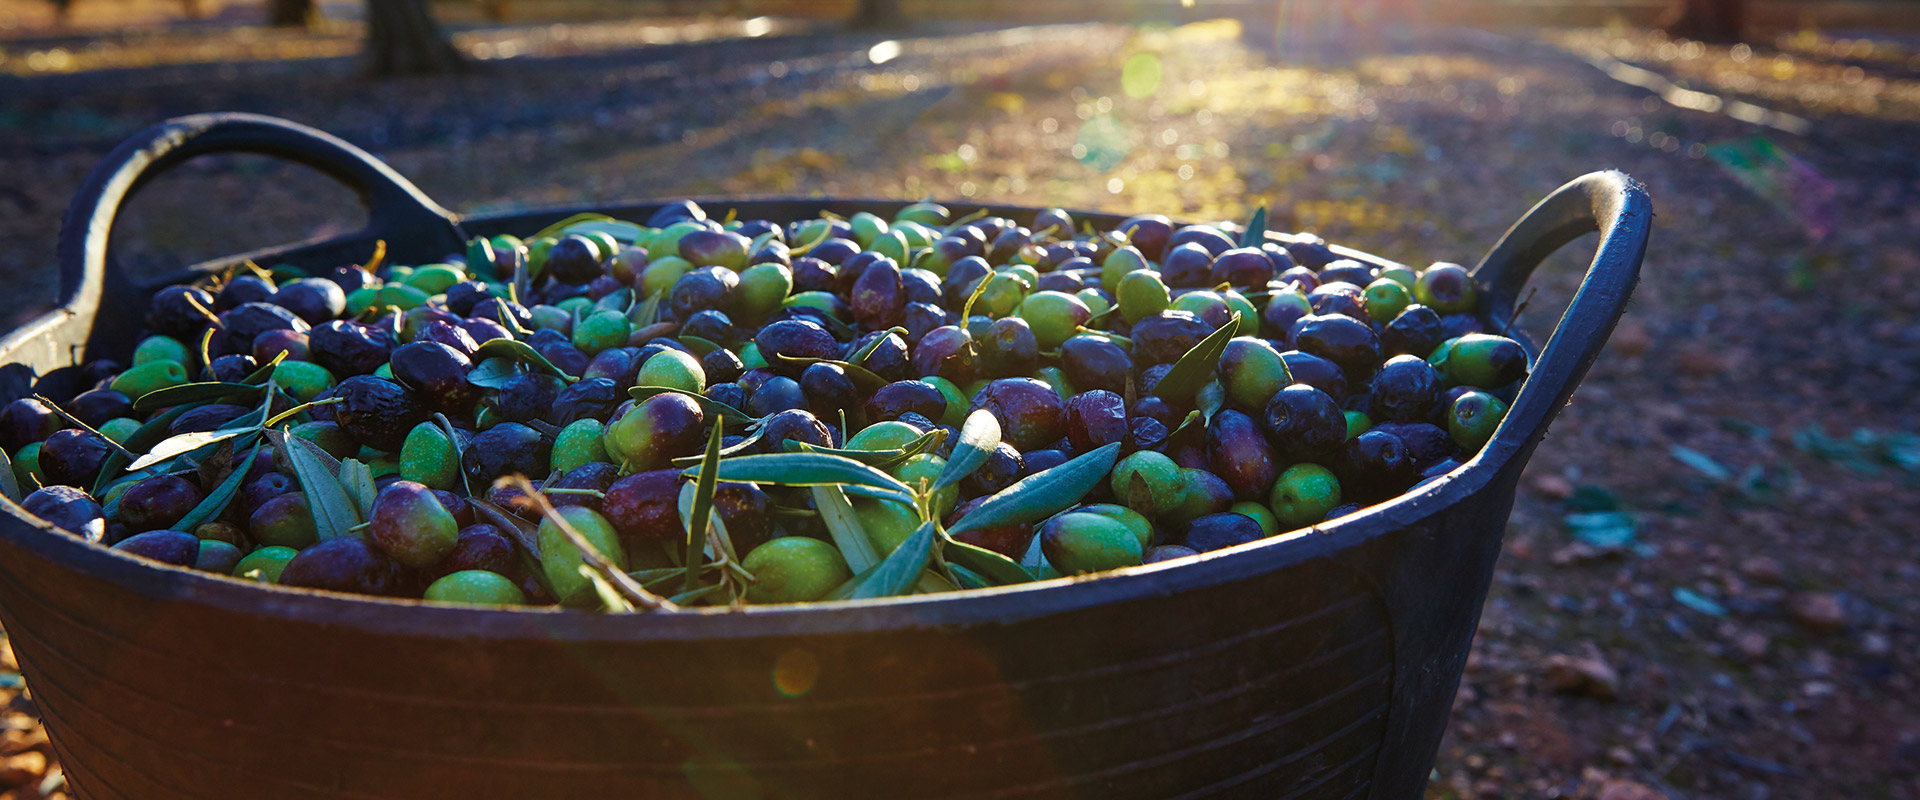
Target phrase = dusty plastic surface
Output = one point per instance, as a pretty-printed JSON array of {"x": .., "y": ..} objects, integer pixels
[{"x": 1320, "y": 664}]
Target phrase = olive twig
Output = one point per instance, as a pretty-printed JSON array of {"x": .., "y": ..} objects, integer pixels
[{"x": 628, "y": 589}]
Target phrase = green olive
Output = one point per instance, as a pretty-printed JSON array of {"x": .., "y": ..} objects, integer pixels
[
  {"x": 426, "y": 457},
  {"x": 304, "y": 380},
  {"x": 160, "y": 348},
  {"x": 675, "y": 370},
  {"x": 794, "y": 569},
  {"x": 1303, "y": 496},
  {"x": 476, "y": 587}
]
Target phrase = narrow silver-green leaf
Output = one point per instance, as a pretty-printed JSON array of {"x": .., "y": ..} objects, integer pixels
[
  {"x": 334, "y": 511},
  {"x": 206, "y": 392},
  {"x": 185, "y": 443},
  {"x": 522, "y": 533},
  {"x": 520, "y": 351},
  {"x": 742, "y": 446},
  {"x": 621, "y": 231},
  {"x": 979, "y": 435},
  {"x": 647, "y": 312},
  {"x": 1256, "y": 232},
  {"x": 844, "y": 525},
  {"x": 357, "y": 479},
  {"x": 702, "y": 509},
  {"x": 1037, "y": 497},
  {"x": 706, "y": 404},
  {"x": 8, "y": 486},
  {"x": 900, "y": 571},
  {"x": 556, "y": 230},
  {"x": 997, "y": 569},
  {"x": 1193, "y": 369},
  {"x": 864, "y": 379},
  {"x": 216, "y": 501},
  {"x": 875, "y": 458},
  {"x": 494, "y": 373},
  {"x": 144, "y": 437},
  {"x": 860, "y": 356},
  {"x": 700, "y": 346},
  {"x": 805, "y": 469}
]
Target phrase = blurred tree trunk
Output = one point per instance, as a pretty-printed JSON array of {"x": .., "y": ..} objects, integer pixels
[
  {"x": 876, "y": 14},
  {"x": 1705, "y": 20},
  {"x": 402, "y": 39},
  {"x": 289, "y": 13}
]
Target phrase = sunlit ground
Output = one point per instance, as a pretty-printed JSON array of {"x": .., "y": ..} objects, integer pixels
[{"x": 1779, "y": 314}]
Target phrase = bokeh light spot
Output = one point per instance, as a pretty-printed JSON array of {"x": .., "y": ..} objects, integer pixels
[
  {"x": 1105, "y": 142},
  {"x": 795, "y": 673},
  {"x": 1141, "y": 75}
]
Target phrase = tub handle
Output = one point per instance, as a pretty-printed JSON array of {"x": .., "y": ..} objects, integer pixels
[
  {"x": 397, "y": 210},
  {"x": 1615, "y": 205}
]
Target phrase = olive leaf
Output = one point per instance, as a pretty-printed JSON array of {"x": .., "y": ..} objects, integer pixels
[
  {"x": 901, "y": 569},
  {"x": 808, "y": 469},
  {"x": 621, "y": 231},
  {"x": 963, "y": 222},
  {"x": 846, "y": 590},
  {"x": 519, "y": 351},
  {"x": 702, "y": 511},
  {"x": 264, "y": 371},
  {"x": 979, "y": 435},
  {"x": 875, "y": 458},
  {"x": 1256, "y": 232},
  {"x": 1211, "y": 399},
  {"x": 479, "y": 253},
  {"x": 864, "y": 379},
  {"x": 994, "y": 568},
  {"x": 699, "y": 345},
  {"x": 707, "y": 405},
  {"x": 8, "y": 485},
  {"x": 186, "y": 443},
  {"x": 1195, "y": 367},
  {"x": 217, "y": 500},
  {"x": 844, "y": 525},
  {"x": 736, "y": 448},
  {"x": 556, "y": 229},
  {"x": 206, "y": 392},
  {"x": 860, "y": 356},
  {"x": 493, "y": 373},
  {"x": 968, "y": 579},
  {"x": 826, "y": 233},
  {"x": 523, "y": 535},
  {"x": 334, "y": 512},
  {"x": 144, "y": 437},
  {"x": 357, "y": 479},
  {"x": 1034, "y": 559},
  {"x": 1037, "y": 497},
  {"x": 520, "y": 285}
]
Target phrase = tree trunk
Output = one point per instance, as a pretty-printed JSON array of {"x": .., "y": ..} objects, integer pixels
[
  {"x": 402, "y": 39},
  {"x": 1705, "y": 20},
  {"x": 876, "y": 14},
  {"x": 290, "y": 13}
]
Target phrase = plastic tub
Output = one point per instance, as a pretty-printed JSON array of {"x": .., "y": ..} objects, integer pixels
[{"x": 1318, "y": 664}]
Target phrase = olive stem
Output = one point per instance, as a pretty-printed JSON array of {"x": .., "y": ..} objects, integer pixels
[{"x": 88, "y": 428}]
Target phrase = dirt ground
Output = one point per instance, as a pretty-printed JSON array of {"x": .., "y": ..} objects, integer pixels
[{"x": 1709, "y": 588}]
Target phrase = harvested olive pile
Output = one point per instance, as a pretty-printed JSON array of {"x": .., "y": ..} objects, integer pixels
[{"x": 693, "y": 411}]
